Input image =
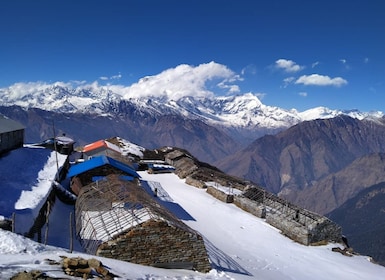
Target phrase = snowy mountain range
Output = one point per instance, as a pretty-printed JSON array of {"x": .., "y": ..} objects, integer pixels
[{"x": 237, "y": 112}]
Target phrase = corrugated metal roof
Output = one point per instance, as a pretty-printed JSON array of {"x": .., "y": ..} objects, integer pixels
[
  {"x": 101, "y": 144},
  {"x": 97, "y": 162},
  {"x": 7, "y": 125}
]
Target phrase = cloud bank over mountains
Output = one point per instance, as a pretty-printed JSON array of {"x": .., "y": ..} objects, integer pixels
[
  {"x": 183, "y": 80},
  {"x": 206, "y": 80},
  {"x": 174, "y": 83}
]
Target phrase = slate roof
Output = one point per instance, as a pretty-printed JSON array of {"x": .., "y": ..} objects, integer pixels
[{"x": 7, "y": 125}]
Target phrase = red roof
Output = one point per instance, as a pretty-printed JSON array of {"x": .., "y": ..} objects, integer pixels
[{"x": 100, "y": 144}]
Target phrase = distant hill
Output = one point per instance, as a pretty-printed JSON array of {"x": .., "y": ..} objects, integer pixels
[
  {"x": 363, "y": 221},
  {"x": 206, "y": 142},
  {"x": 335, "y": 189},
  {"x": 309, "y": 163}
]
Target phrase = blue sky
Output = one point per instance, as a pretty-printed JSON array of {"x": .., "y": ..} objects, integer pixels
[{"x": 293, "y": 54}]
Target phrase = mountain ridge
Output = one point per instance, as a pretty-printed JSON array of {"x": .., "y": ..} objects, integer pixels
[
  {"x": 238, "y": 111},
  {"x": 361, "y": 218},
  {"x": 294, "y": 159}
]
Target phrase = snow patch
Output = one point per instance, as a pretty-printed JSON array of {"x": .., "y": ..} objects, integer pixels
[{"x": 30, "y": 199}]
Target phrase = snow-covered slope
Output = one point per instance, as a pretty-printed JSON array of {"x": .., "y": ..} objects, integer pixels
[
  {"x": 235, "y": 111},
  {"x": 240, "y": 246}
]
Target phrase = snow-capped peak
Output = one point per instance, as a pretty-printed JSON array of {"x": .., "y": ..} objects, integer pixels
[{"x": 235, "y": 111}]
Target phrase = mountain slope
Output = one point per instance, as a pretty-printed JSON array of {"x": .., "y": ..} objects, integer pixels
[
  {"x": 331, "y": 192},
  {"x": 362, "y": 219},
  {"x": 294, "y": 160},
  {"x": 205, "y": 141}
]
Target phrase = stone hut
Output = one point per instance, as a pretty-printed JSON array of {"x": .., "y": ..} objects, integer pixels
[
  {"x": 299, "y": 224},
  {"x": 119, "y": 219},
  {"x": 184, "y": 164},
  {"x": 11, "y": 134}
]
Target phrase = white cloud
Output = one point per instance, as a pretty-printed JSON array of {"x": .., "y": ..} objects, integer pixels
[
  {"x": 315, "y": 64},
  {"x": 302, "y": 93},
  {"x": 249, "y": 69},
  {"x": 288, "y": 65},
  {"x": 320, "y": 80},
  {"x": 76, "y": 82},
  {"x": 345, "y": 63},
  {"x": 260, "y": 95},
  {"x": 366, "y": 60},
  {"x": 22, "y": 90},
  {"x": 288, "y": 81},
  {"x": 183, "y": 80},
  {"x": 230, "y": 88},
  {"x": 173, "y": 83},
  {"x": 114, "y": 77}
]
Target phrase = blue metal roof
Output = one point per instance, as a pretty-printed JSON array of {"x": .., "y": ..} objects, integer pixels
[
  {"x": 98, "y": 161},
  {"x": 122, "y": 177}
]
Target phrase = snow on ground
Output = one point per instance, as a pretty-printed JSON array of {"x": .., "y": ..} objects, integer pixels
[
  {"x": 224, "y": 189},
  {"x": 240, "y": 246},
  {"x": 244, "y": 246},
  {"x": 32, "y": 198},
  {"x": 130, "y": 148}
]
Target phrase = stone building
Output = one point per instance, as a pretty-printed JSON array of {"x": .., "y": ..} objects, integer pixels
[
  {"x": 119, "y": 219},
  {"x": 11, "y": 134},
  {"x": 96, "y": 168},
  {"x": 301, "y": 225}
]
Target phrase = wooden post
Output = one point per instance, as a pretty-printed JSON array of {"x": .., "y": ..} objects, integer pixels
[
  {"x": 47, "y": 222},
  {"x": 13, "y": 221},
  {"x": 71, "y": 234},
  {"x": 54, "y": 144}
]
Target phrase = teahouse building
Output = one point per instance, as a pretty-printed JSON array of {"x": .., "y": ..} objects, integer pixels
[
  {"x": 11, "y": 134},
  {"x": 119, "y": 219},
  {"x": 94, "y": 169}
]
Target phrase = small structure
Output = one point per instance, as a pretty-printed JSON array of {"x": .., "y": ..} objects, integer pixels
[
  {"x": 155, "y": 168},
  {"x": 11, "y": 134},
  {"x": 101, "y": 147},
  {"x": 106, "y": 148},
  {"x": 299, "y": 224},
  {"x": 62, "y": 144},
  {"x": 94, "y": 169},
  {"x": 184, "y": 164},
  {"x": 118, "y": 219}
]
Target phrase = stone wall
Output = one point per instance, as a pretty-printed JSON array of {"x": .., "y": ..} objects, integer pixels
[
  {"x": 295, "y": 222},
  {"x": 194, "y": 182},
  {"x": 253, "y": 207},
  {"x": 324, "y": 229},
  {"x": 184, "y": 167},
  {"x": 218, "y": 194},
  {"x": 158, "y": 243},
  {"x": 290, "y": 228}
]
